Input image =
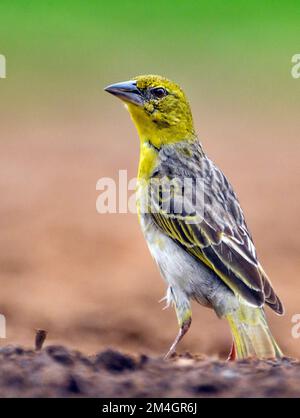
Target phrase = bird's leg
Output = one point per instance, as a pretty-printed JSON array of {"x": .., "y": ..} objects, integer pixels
[
  {"x": 182, "y": 331},
  {"x": 184, "y": 327},
  {"x": 232, "y": 355}
]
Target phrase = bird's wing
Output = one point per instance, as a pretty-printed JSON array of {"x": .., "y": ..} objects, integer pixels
[{"x": 213, "y": 231}]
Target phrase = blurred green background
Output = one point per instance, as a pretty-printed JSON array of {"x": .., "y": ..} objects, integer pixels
[
  {"x": 88, "y": 278},
  {"x": 63, "y": 51}
]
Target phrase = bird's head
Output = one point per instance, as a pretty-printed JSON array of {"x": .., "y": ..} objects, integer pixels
[{"x": 158, "y": 107}]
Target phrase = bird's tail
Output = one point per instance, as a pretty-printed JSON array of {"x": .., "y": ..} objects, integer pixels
[{"x": 251, "y": 334}]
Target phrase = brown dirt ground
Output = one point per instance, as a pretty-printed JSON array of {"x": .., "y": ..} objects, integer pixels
[
  {"x": 57, "y": 371},
  {"x": 88, "y": 278}
]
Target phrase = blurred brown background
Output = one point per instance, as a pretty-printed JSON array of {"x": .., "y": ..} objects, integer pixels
[{"x": 88, "y": 278}]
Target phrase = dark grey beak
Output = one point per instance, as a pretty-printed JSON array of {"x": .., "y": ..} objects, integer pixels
[{"x": 127, "y": 91}]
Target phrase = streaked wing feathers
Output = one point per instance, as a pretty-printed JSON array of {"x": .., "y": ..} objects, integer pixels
[{"x": 216, "y": 233}]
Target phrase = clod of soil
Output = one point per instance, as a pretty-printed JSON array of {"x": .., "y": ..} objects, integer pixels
[{"x": 57, "y": 371}]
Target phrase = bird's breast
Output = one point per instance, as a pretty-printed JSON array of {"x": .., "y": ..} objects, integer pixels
[{"x": 148, "y": 161}]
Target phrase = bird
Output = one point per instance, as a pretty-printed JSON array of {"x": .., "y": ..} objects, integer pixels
[{"x": 193, "y": 223}]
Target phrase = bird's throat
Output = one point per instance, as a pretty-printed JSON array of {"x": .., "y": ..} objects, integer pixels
[{"x": 152, "y": 127}]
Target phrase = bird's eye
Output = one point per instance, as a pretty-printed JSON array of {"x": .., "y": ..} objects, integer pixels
[{"x": 159, "y": 92}]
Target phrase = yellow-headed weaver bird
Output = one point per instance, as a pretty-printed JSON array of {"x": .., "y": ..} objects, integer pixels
[{"x": 202, "y": 245}]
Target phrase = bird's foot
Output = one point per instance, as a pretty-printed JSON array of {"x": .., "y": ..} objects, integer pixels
[{"x": 183, "y": 330}]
